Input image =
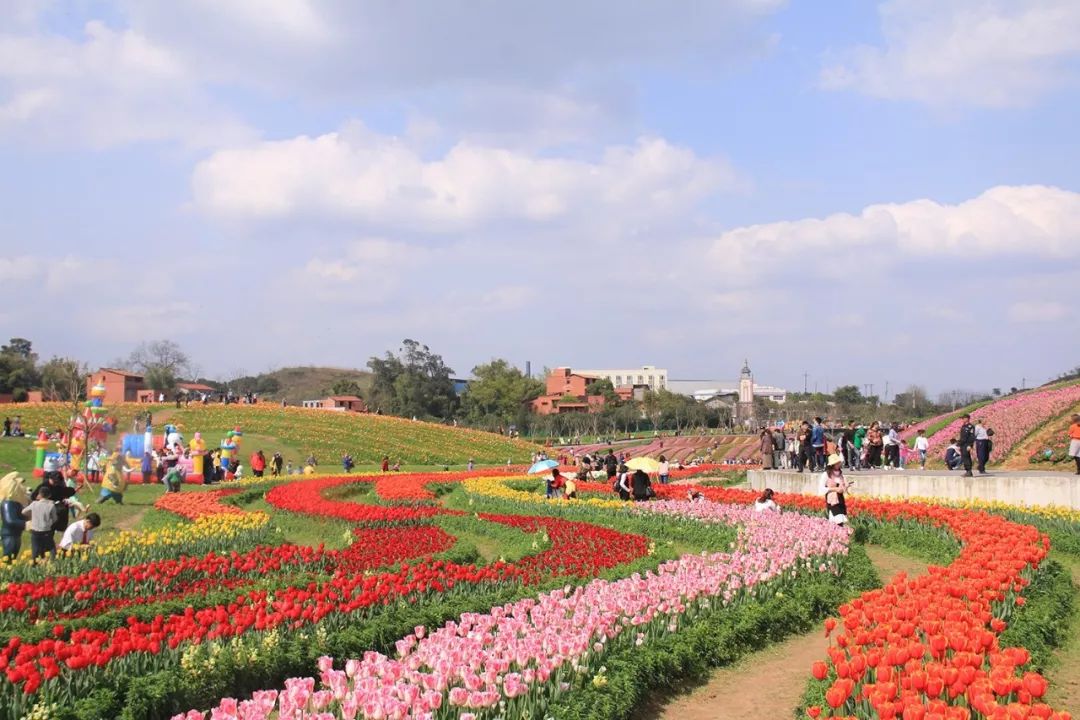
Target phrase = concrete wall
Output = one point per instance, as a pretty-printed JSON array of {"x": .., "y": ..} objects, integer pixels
[{"x": 1016, "y": 489}]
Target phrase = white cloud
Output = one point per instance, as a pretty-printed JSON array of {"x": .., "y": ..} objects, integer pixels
[
  {"x": 1027, "y": 221},
  {"x": 995, "y": 53},
  {"x": 103, "y": 89},
  {"x": 361, "y": 176},
  {"x": 19, "y": 268},
  {"x": 1033, "y": 311}
]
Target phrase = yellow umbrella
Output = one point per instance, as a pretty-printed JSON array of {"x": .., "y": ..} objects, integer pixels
[{"x": 643, "y": 463}]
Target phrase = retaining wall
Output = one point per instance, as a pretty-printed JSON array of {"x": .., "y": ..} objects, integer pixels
[{"x": 1013, "y": 488}]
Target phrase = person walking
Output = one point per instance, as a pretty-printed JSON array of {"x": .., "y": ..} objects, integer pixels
[
  {"x": 663, "y": 470},
  {"x": 922, "y": 446},
  {"x": 982, "y": 446},
  {"x": 966, "y": 440},
  {"x": 114, "y": 483},
  {"x": 1074, "y": 441},
  {"x": 258, "y": 463},
  {"x": 806, "y": 450}
]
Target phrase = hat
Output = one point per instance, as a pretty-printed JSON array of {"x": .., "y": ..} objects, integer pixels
[{"x": 834, "y": 459}]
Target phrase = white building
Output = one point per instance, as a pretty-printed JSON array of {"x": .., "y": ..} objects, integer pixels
[
  {"x": 656, "y": 378},
  {"x": 706, "y": 390}
]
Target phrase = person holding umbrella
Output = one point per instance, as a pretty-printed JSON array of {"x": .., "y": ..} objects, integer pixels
[{"x": 542, "y": 466}]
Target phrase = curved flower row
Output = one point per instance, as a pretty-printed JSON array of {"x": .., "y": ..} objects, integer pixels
[
  {"x": 512, "y": 661},
  {"x": 942, "y": 625},
  {"x": 1014, "y": 417}
]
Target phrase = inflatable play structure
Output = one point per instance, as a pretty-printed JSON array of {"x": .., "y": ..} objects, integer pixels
[{"x": 93, "y": 426}]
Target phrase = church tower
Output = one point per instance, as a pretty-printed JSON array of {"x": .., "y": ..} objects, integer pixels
[{"x": 744, "y": 411}]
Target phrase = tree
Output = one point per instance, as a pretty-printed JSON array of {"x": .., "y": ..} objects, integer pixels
[
  {"x": 498, "y": 393},
  {"x": 848, "y": 395},
  {"x": 160, "y": 379},
  {"x": 345, "y": 386},
  {"x": 915, "y": 400},
  {"x": 414, "y": 383},
  {"x": 604, "y": 388},
  {"x": 64, "y": 380},
  {"x": 161, "y": 355},
  {"x": 18, "y": 368}
]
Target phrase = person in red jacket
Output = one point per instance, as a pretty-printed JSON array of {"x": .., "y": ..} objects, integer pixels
[{"x": 258, "y": 463}]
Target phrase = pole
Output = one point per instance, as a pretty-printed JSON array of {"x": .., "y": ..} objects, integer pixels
[{"x": 805, "y": 377}]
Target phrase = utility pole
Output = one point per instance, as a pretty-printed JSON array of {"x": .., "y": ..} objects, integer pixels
[
  {"x": 871, "y": 389},
  {"x": 805, "y": 377},
  {"x": 1023, "y": 383},
  {"x": 886, "y": 391}
]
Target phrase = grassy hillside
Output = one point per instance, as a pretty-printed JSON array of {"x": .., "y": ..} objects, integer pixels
[{"x": 296, "y": 432}]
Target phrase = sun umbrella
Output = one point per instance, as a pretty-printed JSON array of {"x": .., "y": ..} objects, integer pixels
[
  {"x": 542, "y": 466},
  {"x": 643, "y": 463}
]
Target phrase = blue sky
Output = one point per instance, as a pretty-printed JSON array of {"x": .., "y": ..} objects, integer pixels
[{"x": 864, "y": 192}]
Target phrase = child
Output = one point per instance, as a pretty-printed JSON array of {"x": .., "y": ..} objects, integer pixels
[
  {"x": 173, "y": 479},
  {"x": 239, "y": 473},
  {"x": 922, "y": 445},
  {"x": 80, "y": 533},
  {"x": 42, "y": 516}
]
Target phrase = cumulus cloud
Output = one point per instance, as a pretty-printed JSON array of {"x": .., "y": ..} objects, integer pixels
[
  {"x": 105, "y": 88},
  {"x": 993, "y": 53},
  {"x": 361, "y": 176},
  {"x": 1032, "y": 220}
]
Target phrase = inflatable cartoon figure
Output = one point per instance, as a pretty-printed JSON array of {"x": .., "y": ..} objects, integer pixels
[
  {"x": 13, "y": 498},
  {"x": 173, "y": 436},
  {"x": 198, "y": 453}
]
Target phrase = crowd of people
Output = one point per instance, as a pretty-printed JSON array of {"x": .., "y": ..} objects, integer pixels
[
  {"x": 874, "y": 447},
  {"x": 50, "y": 508}
]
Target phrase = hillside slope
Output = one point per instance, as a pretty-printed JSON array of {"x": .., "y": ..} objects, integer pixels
[{"x": 310, "y": 383}]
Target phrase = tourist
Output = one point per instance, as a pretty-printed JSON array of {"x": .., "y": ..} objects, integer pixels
[
  {"x": 765, "y": 440},
  {"x": 80, "y": 533},
  {"x": 311, "y": 460},
  {"x": 622, "y": 484},
  {"x": 571, "y": 486},
  {"x": 59, "y": 493},
  {"x": 275, "y": 464},
  {"x": 982, "y": 446},
  {"x": 7, "y": 427},
  {"x": 289, "y": 468},
  {"x": 641, "y": 486},
  {"x": 833, "y": 485},
  {"x": 922, "y": 446},
  {"x": 611, "y": 464},
  {"x": 765, "y": 503},
  {"x": 806, "y": 450},
  {"x": 347, "y": 463},
  {"x": 258, "y": 463},
  {"x": 470, "y": 465},
  {"x": 817, "y": 441},
  {"x": 792, "y": 452},
  {"x": 966, "y": 441},
  {"x": 386, "y": 463},
  {"x": 556, "y": 484},
  {"x": 695, "y": 496},
  {"x": 663, "y": 470},
  {"x": 13, "y": 492},
  {"x": 93, "y": 468},
  {"x": 894, "y": 443},
  {"x": 875, "y": 442},
  {"x": 173, "y": 479},
  {"x": 42, "y": 516},
  {"x": 16, "y": 427},
  {"x": 953, "y": 459},
  {"x": 114, "y": 483},
  {"x": 1074, "y": 441}
]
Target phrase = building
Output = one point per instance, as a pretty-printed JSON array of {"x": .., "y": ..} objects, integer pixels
[
  {"x": 733, "y": 391},
  {"x": 338, "y": 403},
  {"x": 186, "y": 388},
  {"x": 655, "y": 378},
  {"x": 120, "y": 385},
  {"x": 567, "y": 391}
]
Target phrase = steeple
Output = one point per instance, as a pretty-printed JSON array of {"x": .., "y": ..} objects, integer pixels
[{"x": 746, "y": 368}]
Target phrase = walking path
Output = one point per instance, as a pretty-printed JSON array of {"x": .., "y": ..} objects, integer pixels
[{"x": 766, "y": 684}]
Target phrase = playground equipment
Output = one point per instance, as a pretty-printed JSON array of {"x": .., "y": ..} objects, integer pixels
[{"x": 92, "y": 425}]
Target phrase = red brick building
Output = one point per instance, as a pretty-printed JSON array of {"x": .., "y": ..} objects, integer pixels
[
  {"x": 567, "y": 392},
  {"x": 120, "y": 385},
  {"x": 342, "y": 403}
]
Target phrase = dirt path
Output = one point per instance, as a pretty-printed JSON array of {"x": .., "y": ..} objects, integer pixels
[
  {"x": 766, "y": 684},
  {"x": 1064, "y": 676}
]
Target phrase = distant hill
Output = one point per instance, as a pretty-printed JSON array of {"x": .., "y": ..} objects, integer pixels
[{"x": 296, "y": 384}]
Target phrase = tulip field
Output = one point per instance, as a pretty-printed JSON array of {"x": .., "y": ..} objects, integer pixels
[
  {"x": 472, "y": 596},
  {"x": 1013, "y": 418}
]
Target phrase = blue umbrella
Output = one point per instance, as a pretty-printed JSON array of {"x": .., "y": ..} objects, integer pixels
[{"x": 542, "y": 466}]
